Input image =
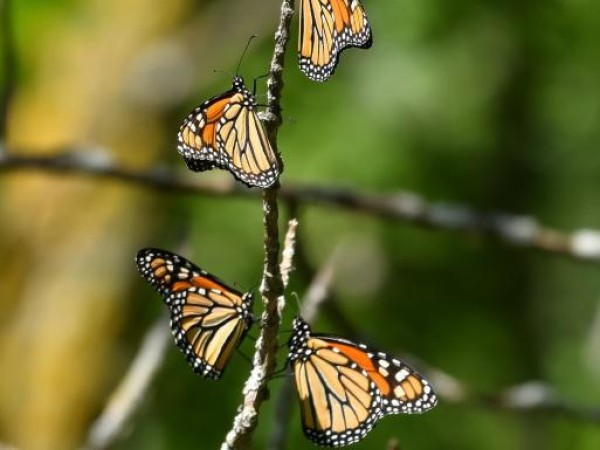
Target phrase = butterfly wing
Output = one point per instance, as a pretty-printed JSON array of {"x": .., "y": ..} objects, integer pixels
[
  {"x": 246, "y": 151},
  {"x": 401, "y": 388},
  {"x": 327, "y": 27},
  {"x": 226, "y": 132},
  {"x": 197, "y": 138},
  {"x": 338, "y": 401},
  {"x": 344, "y": 387},
  {"x": 208, "y": 318}
]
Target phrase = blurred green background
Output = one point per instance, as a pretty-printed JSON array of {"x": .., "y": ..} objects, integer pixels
[{"x": 492, "y": 104}]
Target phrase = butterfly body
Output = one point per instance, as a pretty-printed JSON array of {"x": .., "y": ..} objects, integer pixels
[
  {"x": 208, "y": 318},
  {"x": 327, "y": 27},
  {"x": 225, "y": 132},
  {"x": 344, "y": 388}
]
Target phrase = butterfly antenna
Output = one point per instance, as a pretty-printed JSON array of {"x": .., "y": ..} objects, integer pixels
[
  {"x": 256, "y": 79},
  {"x": 237, "y": 69},
  {"x": 281, "y": 373},
  {"x": 245, "y": 357},
  {"x": 239, "y": 287},
  {"x": 223, "y": 71},
  {"x": 298, "y": 305}
]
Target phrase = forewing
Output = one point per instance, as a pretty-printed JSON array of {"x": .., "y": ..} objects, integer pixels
[
  {"x": 168, "y": 272},
  {"x": 402, "y": 389}
]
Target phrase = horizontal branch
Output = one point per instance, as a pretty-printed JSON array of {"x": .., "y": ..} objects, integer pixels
[
  {"x": 403, "y": 207},
  {"x": 527, "y": 397}
]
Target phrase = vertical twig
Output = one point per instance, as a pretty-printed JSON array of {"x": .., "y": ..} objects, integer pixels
[
  {"x": 592, "y": 345},
  {"x": 255, "y": 389},
  {"x": 316, "y": 295},
  {"x": 8, "y": 62},
  {"x": 331, "y": 308},
  {"x": 289, "y": 250}
]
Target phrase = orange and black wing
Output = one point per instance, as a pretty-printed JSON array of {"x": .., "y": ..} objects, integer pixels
[
  {"x": 208, "y": 318},
  {"x": 327, "y": 27},
  {"x": 344, "y": 388},
  {"x": 226, "y": 132}
]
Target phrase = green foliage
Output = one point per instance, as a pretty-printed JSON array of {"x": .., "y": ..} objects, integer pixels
[{"x": 494, "y": 104}]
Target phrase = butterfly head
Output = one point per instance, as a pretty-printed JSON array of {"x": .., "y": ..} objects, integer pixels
[
  {"x": 300, "y": 335},
  {"x": 238, "y": 83},
  {"x": 239, "y": 86},
  {"x": 247, "y": 305}
]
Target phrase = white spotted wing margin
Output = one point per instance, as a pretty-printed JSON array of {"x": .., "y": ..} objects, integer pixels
[
  {"x": 327, "y": 28},
  {"x": 344, "y": 388},
  {"x": 225, "y": 132},
  {"x": 209, "y": 319}
]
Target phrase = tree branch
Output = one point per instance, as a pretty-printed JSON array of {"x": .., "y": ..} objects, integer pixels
[
  {"x": 316, "y": 295},
  {"x": 255, "y": 389},
  {"x": 289, "y": 250},
  {"x": 401, "y": 207},
  {"x": 527, "y": 397},
  {"x": 130, "y": 393}
]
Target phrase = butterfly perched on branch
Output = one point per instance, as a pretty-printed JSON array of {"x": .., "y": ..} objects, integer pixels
[
  {"x": 344, "y": 388},
  {"x": 208, "y": 318},
  {"x": 327, "y": 27},
  {"x": 225, "y": 132}
]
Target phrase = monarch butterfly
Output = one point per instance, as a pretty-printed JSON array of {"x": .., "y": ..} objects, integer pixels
[
  {"x": 208, "y": 318},
  {"x": 344, "y": 388},
  {"x": 327, "y": 27},
  {"x": 225, "y": 132}
]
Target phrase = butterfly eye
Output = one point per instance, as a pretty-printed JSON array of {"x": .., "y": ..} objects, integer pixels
[
  {"x": 327, "y": 27},
  {"x": 208, "y": 318}
]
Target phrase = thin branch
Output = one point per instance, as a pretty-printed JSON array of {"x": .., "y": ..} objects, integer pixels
[
  {"x": 527, "y": 397},
  {"x": 256, "y": 389},
  {"x": 289, "y": 249},
  {"x": 402, "y": 207},
  {"x": 330, "y": 307},
  {"x": 98, "y": 163},
  {"x": 319, "y": 290},
  {"x": 592, "y": 344},
  {"x": 130, "y": 393},
  {"x": 316, "y": 295}
]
